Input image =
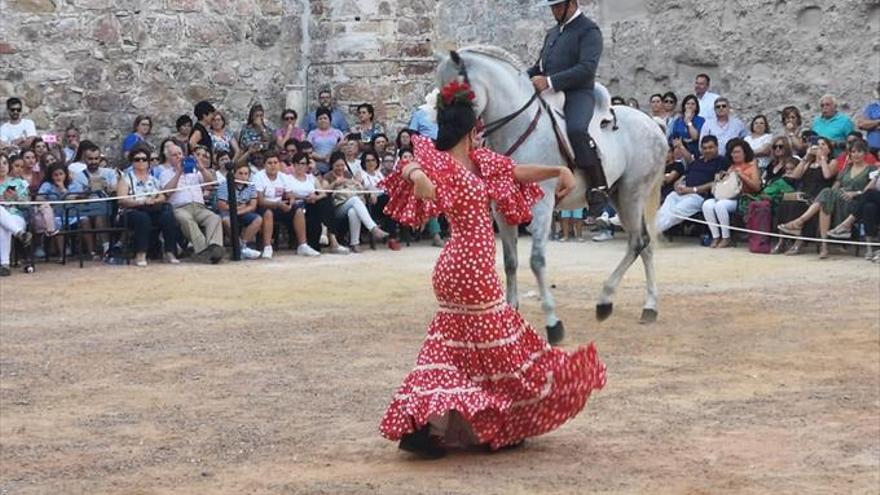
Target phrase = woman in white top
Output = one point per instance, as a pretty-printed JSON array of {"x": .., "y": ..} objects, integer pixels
[
  {"x": 376, "y": 201},
  {"x": 761, "y": 141},
  {"x": 350, "y": 204},
  {"x": 276, "y": 202},
  {"x": 319, "y": 205}
]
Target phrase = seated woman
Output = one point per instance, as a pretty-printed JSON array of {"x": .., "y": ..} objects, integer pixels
[
  {"x": 792, "y": 122},
  {"x": 222, "y": 138},
  {"x": 324, "y": 139},
  {"x": 687, "y": 127},
  {"x": 276, "y": 202},
  {"x": 12, "y": 221},
  {"x": 350, "y": 204},
  {"x": 832, "y": 203},
  {"x": 813, "y": 174},
  {"x": 370, "y": 178},
  {"x": 147, "y": 209},
  {"x": 717, "y": 211},
  {"x": 256, "y": 132},
  {"x": 865, "y": 209},
  {"x": 320, "y": 212},
  {"x": 760, "y": 139},
  {"x": 379, "y": 144},
  {"x": 367, "y": 126},
  {"x": 288, "y": 130},
  {"x": 250, "y": 222},
  {"x": 58, "y": 186}
]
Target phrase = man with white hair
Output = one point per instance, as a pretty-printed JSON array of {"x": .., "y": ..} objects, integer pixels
[{"x": 831, "y": 124}]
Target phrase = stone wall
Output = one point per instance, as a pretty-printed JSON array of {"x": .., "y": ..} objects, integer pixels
[{"x": 101, "y": 62}]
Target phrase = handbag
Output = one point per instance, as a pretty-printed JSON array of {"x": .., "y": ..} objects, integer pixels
[{"x": 727, "y": 187}]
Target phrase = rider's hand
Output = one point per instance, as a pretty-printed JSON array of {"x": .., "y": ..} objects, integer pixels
[{"x": 540, "y": 83}]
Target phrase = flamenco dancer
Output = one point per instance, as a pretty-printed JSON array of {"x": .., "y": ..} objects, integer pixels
[{"x": 483, "y": 376}]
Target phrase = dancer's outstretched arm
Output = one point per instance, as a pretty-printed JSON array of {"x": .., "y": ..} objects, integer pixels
[
  {"x": 537, "y": 173},
  {"x": 423, "y": 188}
]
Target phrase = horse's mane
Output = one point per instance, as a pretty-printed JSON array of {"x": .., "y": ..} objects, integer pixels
[{"x": 496, "y": 53}]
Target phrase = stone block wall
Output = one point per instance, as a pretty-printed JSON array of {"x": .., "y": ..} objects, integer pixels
[{"x": 100, "y": 62}]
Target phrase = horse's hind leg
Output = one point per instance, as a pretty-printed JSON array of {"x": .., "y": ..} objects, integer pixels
[
  {"x": 511, "y": 262},
  {"x": 540, "y": 230},
  {"x": 630, "y": 216},
  {"x": 649, "y": 312}
]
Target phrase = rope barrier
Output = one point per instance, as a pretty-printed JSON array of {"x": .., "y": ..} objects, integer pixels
[
  {"x": 780, "y": 236},
  {"x": 164, "y": 191}
]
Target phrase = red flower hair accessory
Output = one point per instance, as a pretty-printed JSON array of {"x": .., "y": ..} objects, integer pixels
[{"x": 455, "y": 92}]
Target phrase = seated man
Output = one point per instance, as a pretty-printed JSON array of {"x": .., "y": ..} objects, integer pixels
[
  {"x": 831, "y": 124},
  {"x": 98, "y": 181},
  {"x": 198, "y": 224},
  {"x": 691, "y": 190}
]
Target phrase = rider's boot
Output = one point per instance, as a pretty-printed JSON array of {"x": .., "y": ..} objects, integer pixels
[{"x": 597, "y": 189}]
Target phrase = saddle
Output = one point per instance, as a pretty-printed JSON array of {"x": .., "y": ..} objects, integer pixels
[{"x": 603, "y": 116}]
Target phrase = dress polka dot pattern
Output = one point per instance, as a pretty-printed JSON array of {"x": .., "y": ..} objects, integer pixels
[{"x": 480, "y": 357}]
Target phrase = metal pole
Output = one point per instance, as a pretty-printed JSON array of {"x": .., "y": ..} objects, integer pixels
[{"x": 233, "y": 211}]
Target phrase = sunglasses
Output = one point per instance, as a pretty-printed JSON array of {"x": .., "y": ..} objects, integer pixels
[
  {"x": 139, "y": 159},
  {"x": 778, "y": 146},
  {"x": 668, "y": 101},
  {"x": 15, "y": 109},
  {"x": 154, "y": 158},
  {"x": 721, "y": 106}
]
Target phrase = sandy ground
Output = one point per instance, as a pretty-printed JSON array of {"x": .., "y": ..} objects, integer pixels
[{"x": 762, "y": 376}]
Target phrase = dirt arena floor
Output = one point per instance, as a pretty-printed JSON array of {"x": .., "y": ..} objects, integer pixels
[{"x": 762, "y": 376}]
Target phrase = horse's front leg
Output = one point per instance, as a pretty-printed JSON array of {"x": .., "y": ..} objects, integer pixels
[
  {"x": 511, "y": 263},
  {"x": 542, "y": 219}
]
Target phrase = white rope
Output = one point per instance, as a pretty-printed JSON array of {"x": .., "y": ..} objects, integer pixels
[
  {"x": 780, "y": 236},
  {"x": 102, "y": 199},
  {"x": 164, "y": 191}
]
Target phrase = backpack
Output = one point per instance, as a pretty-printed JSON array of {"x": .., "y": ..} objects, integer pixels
[{"x": 759, "y": 218}]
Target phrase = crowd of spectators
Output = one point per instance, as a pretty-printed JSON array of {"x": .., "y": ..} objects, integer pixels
[
  {"x": 820, "y": 179},
  {"x": 316, "y": 179}
]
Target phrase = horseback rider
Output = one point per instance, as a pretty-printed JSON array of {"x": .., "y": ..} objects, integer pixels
[{"x": 568, "y": 63}]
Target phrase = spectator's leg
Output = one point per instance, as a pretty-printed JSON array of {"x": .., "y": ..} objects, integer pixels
[
  {"x": 299, "y": 226},
  {"x": 357, "y": 204},
  {"x": 712, "y": 219},
  {"x": 824, "y": 226},
  {"x": 165, "y": 218},
  {"x": 250, "y": 232},
  {"x": 209, "y": 221},
  {"x": 664, "y": 220},
  {"x": 190, "y": 227},
  {"x": 723, "y": 209},
  {"x": 89, "y": 240},
  {"x": 354, "y": 227},
  {"x": 871, "y": 215},
  {"x": 9, "y": 225},
  {"x": 139, "y": 222},
  {"x": 268, "y": 227}
]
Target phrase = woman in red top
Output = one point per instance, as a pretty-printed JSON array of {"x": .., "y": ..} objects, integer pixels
[
  {"x": 483, "y": 375},
  {"x": 717, "y": 211}
]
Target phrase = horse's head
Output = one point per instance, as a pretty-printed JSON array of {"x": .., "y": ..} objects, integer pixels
[{"x": 459, "y": 66}]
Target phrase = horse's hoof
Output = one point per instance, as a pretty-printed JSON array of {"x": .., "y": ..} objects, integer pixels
[
  {"x": 556, "y": 333},
  {"x": 603, "y": 311},
  {"x": 648, "y": 316}
]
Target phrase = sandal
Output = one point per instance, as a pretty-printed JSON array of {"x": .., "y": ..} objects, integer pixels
[
  {"x": 779, "y": 247},
  {"x": 789, "y": 228},
  {"x": 795, "y": 249},
  {"x": 823, "y": 252},
  {"x": 840, "y": 233}
]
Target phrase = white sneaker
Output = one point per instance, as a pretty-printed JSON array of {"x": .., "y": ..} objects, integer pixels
[
  {"x": 603, "y": 236},
  {"x": 306, "y": 250},
  {"x": 340, "y": 250},
  {"x": 267, "y": 253},
  {"x": 249, "y": 254},
  {"x": 615, "y": 220}
]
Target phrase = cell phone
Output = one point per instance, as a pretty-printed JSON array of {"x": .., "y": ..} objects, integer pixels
[
  {"x": 814, "y": 140},
  {"x": 189, "y": 165}
]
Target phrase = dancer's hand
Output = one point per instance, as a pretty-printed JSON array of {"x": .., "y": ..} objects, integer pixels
[
  {"x": 423, "y": 188},
  {"x": 565, "y": 184}
]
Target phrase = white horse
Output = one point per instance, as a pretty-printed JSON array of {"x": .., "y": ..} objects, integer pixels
[{"x": 632, "y": 146}]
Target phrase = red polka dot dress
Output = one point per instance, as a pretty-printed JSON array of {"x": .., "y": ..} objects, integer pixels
[{"x": 480, "y": 358}]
